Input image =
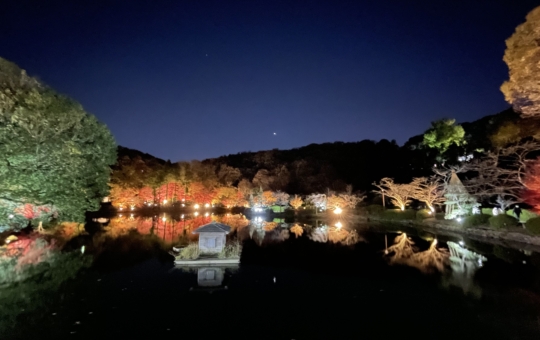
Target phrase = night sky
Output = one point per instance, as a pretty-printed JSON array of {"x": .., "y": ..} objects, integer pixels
[{"x": 189, "y": 80}]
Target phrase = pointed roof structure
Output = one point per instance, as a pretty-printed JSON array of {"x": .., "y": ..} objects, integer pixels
[
  {"x": 455, "y": 186},
  {"x": 213, "y": 227}
]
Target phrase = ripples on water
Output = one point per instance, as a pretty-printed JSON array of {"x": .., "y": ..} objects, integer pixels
[{"x": 295, "y": 281}]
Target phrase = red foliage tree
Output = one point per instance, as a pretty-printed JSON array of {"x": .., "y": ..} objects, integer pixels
[{"x": 532, "y": 183}]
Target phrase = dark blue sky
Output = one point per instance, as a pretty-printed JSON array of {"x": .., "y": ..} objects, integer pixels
[{"x": 196, "y": 79}]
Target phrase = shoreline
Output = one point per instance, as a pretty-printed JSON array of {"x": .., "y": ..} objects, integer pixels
[{"x": 516, "y": 238}]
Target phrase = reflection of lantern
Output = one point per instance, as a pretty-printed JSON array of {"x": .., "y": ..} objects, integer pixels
[
  {"x": 337, "y": 210},
  {"x": 338, "y": 225}
]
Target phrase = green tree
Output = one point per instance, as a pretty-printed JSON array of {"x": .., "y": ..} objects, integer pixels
[
  {"x": 51, "y": 151},
  {"x": 443, "y": 133},
  {"x": 522, "y": 56}
]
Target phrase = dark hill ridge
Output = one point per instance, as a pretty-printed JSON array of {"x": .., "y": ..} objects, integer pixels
[{"x": 319, "y": 167}]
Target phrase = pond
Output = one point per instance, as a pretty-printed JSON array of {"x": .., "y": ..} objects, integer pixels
[{"x": 322, "y": 284}]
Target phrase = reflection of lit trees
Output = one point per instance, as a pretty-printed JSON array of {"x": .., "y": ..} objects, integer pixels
[
  {"x": 432, "y": 258},
  {"x": 297, "y": 230},
  {"x": 319, "y": 235},
  {"x": 269, "y": 226},
  {"x": 464, "y": 264},
  {"x": 236, "y": 221},
  {"x": 335, "y": 235},
  {"x": 403, "y": 251},
  {"x": 403, "y": 248}
]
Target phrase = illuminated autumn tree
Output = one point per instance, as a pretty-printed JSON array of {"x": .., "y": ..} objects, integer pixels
[
  {"x": 296, "y": 202},
  {"x": 264, "y": 199},
  {"x": 531, "y": 194},
  {"x": 319, "y": 201},
  {"x": 500, "y": 173},
  {"x": 334, "y": 202},
  {"x": 507, "y": 133},
  {"x": 227, "y": 175},
  {"x": 428, "y": 190},
  {"x": 522, "y": 55},
  {"x": 263, "y": 179},
  {"x": 351, "y": 201},
  {"x": 281, "y": 199},
  {"x": 245, "y": 187},
  {"x": 400, "y": 194}
]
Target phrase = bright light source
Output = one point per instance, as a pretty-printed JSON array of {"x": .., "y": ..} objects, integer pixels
[
  {"x": 402, "y": 208},
  {"x": 338, "y": 225},
  {"x": 206, "y": 205},
  {"x": 337, "y": 211},
  {"x": 120, "y": 215},
  {"x": 131, "y": 215},
  {"x": 132, "y": 208},
  {"x": 182, "y": 216},
  {"x": 206, "y": 214},
  {"x": 461, "y": 243},
  {"x": 164, "y": 219},
  {"x": 165, "y": 201},
  {"x": 434, "y": 241},
  {"x": 82, "y": 249},
  {"x": 196, "y": 206},
  {"x": 429, "y": 212},
  {"x": 458, "y": 219},
  {"x": 196, "y": 213},
  {"x": 11, "y": 216},
  {"x": 120, "y": 208},
  {"x": 183, "y": 205}
]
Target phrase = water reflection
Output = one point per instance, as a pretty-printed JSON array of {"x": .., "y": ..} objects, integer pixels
[
  {"x": 210, "y": 277},
  {"x": 173, "y": 228},
  {"x": 464, "y": 264},
  {"x": 404, "y": 251}
]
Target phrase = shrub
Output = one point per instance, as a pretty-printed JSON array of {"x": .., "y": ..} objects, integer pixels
[
  {"x": 191, "y": 252},
  {"x": 487, "y": 211},
  {"x": 533, "y": 225},
  {"x": 502, "y": 221},
  {"x": 231, "y": 249},
  {"x": 476, "y": 220},
  {"x": 423, "y": 214},
  {"x": 399, "y": 215},
  {"x": 374, "y": 209},
  {"x": 440, "y": 216}
]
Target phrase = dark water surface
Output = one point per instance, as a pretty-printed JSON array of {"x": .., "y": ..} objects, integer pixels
[{"x": 289, "y": 288}]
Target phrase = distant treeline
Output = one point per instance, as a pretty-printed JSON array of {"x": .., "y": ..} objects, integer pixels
[{"x": 309, "y": 169}]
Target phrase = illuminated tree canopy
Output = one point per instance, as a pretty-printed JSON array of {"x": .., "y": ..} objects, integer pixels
[
  {"x": 52, "y": 151},
  {"x": 522, "y": 56},
  {"x": 443, "y": 133}
]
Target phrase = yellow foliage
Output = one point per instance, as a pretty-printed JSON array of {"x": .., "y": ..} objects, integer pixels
[
  {"x": 269, "y": 226},
  {"x": 296, "y": 202},
  {"x": 297, "y": 230}
]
